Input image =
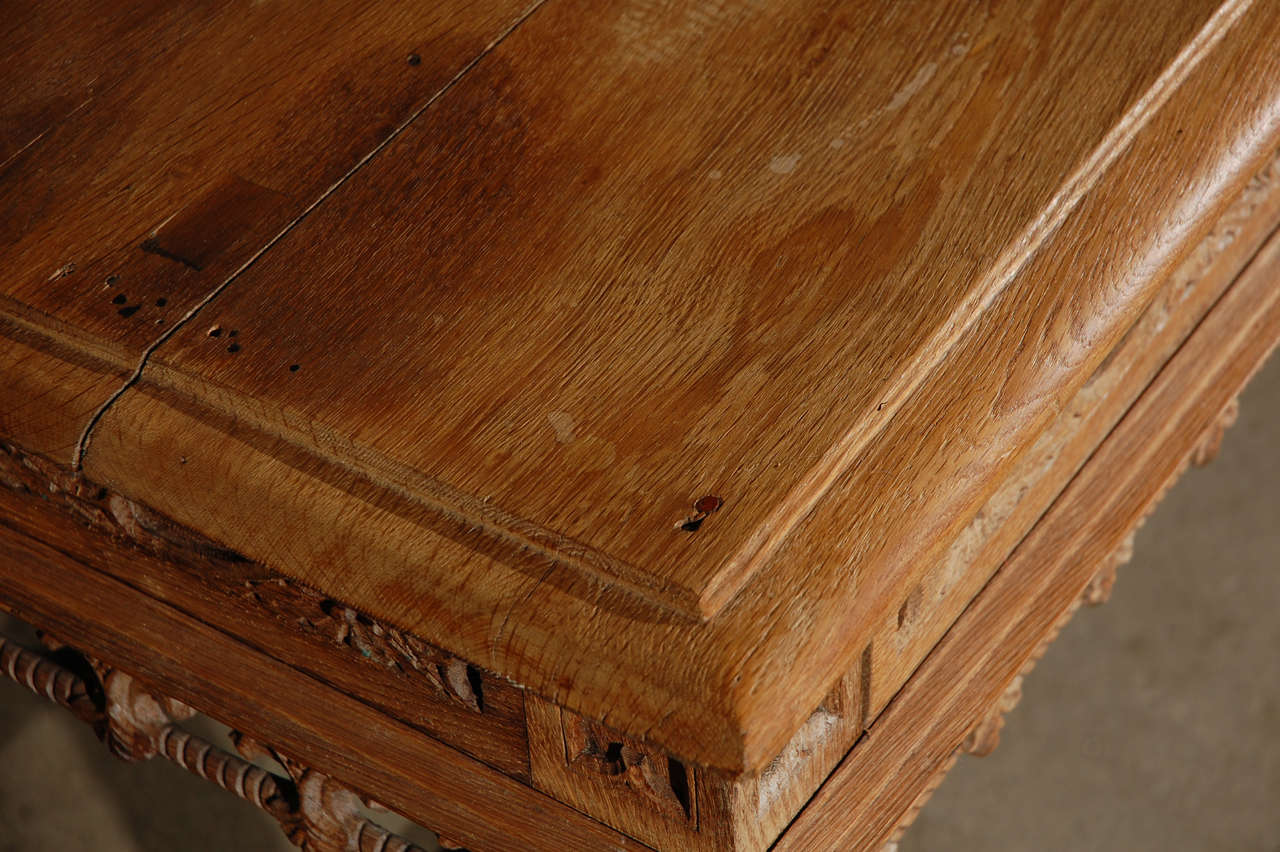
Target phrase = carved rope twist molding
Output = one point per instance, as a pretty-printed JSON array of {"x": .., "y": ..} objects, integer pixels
[{"x": 315, "y": 812}]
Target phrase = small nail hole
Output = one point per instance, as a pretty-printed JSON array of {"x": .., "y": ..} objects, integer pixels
[
  {"x": 161, "y": 302},
  {"x": 233, "y": 332},
  {"x": 216, "y": 331},
  {"x": 129, "y": 311},
  {"x": 702, "y": 508},
  {"x": 293, "y": 368},
  {"x": 120, "y": 299},
  {"x": 235, "y": 347},
  {"x": 111, "y": 280},
  {"x": 707, "y": 505},
  {"x": 415, "y": 59}
]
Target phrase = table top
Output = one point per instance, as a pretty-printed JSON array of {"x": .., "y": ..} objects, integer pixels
[{"x": 641, "y": 352}]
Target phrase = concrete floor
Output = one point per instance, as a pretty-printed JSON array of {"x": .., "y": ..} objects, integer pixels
[{"x": 1153, "y": 723}]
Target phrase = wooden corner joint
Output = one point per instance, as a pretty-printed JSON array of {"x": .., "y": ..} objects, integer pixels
[
  {"x": 316, "y": 813},
  {"x": 654, "y": 776}
]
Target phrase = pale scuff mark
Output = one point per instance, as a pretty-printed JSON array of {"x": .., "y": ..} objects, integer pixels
[
  {"x": 900, "y": 98},
  {"x": 784, "y": 164},
  {"x": 912, "y": 87},
  {"x": 62, "y": 271},
  {"x": 562, "y": 423},
  {"x": 776, "y": 777}
]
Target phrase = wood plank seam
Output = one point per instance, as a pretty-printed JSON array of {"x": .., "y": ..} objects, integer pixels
[{"x": 82, "y": 445}]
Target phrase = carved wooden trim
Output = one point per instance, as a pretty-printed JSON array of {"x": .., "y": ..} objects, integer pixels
[
  {"x": 985, "y": 736},
  {"x": 45, "y": 677},
  {"x": 315, "y": 812},
  {"x": 342, "y": 626},
  {"x": 891, "y": 845},
  {"x": 1099, "y": 589},
  {"x": 381, "y": 644},
  {"x": 202, "y": 758}
]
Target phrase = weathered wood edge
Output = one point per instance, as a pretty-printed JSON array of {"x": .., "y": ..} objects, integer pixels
[
  {"x": 1038, "y": 477},
  {"x": 1027, "y": 600},
  {"x": 1233, "y": 146}
]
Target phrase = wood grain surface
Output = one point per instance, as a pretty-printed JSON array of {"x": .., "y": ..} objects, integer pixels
[
  {"x": 658, "y": 358},
  {"x": 699, "y": 256},
  {"x": 149, "y": 150}
]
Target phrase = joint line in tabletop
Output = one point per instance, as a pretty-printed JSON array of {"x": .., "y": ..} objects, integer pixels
[{"x": 82, "y": 446}]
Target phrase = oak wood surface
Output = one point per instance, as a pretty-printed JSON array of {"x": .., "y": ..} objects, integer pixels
[
  {"x": 343, "y": 455},
  {"x": 726, "y": 261},
  {"x": 148, "y": 150},
  {"x": 835, "y": 266},
  {"x": 988, "y": 646},
  {"x": 717, "y": 810}
]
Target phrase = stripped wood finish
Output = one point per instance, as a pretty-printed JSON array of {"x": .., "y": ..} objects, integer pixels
[
  {"x": 350, "y": 476},
  {"x": 610, "y": 413}
]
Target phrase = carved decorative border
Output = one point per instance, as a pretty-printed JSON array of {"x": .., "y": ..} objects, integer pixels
[{"x": 285, "y": 600}]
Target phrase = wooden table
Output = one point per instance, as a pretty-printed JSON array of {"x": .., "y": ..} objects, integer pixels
[{"x": 581, "y": 425}]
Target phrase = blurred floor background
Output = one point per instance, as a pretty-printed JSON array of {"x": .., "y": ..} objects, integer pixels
[{"x": 1153, "y": 723}]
